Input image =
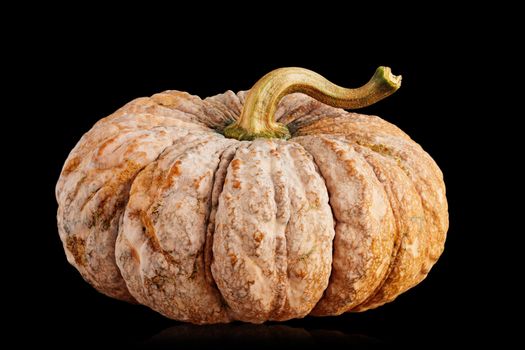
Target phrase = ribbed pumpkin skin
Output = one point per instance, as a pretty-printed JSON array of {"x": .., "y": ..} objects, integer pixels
[{"x": 157, "y": 207}]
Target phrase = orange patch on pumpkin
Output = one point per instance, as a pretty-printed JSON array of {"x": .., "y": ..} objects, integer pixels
[
  {"x": 134, "y": 254},
  {"x": 174, "y": 172},
  {"x": 106, "y": 144},
  {"x": 71, "y": 165},
  {"x": 233, "y": 258},
  {"x": 236, "y": 164},
  {"x": 258, "y": 236},
  {"x": 197, "y": 181}
]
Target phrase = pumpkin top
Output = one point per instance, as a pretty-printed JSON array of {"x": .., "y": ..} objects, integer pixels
[{"x": 257, "y": 116}]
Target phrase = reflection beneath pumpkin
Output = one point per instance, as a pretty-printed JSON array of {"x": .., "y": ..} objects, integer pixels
[{"x": 240, "y": 335}]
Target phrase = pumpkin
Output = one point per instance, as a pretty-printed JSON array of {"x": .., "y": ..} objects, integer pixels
[{"x": 270, "y": 204}]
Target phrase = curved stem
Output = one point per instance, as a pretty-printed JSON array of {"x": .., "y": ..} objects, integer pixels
[{"x": 257, "y": 117}]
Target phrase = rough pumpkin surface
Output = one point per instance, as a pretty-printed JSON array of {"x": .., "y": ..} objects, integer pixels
[{"x": 156, "y": 206}]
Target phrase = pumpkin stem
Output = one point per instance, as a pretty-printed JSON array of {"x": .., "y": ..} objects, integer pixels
[{"x": 257, "y": 116}]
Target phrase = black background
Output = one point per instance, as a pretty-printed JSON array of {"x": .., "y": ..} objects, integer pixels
[{"x": 75, "y": 82}]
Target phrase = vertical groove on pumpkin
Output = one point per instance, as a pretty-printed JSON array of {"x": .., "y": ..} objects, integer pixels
[
  {"x": 353, "y": 230},
  {"x": 282, "y": 204},
  {"x": 168, "y": 290},
  {"x": 318, "y": 170},
  {"x": 218, "y": 184},
  {"x": 121, "y": 217},
  {"x": 113, "y": 218},
  {"x": 416, "y": 179},
  {"x": 268, "y": 265},
  {"x": 121, "y": 239},
  {"x": 399, "y": 162},
  {"x": 302, "y": 168},
  {"x": 394, "y": 258}
]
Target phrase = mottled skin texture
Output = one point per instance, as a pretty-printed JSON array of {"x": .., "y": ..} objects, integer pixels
[
  {"x": 160, "y": 249},
  {"x": 365, "y": 233},
  {"x": 156, "y": 206},
  {"x": 274, "y": 229}
]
